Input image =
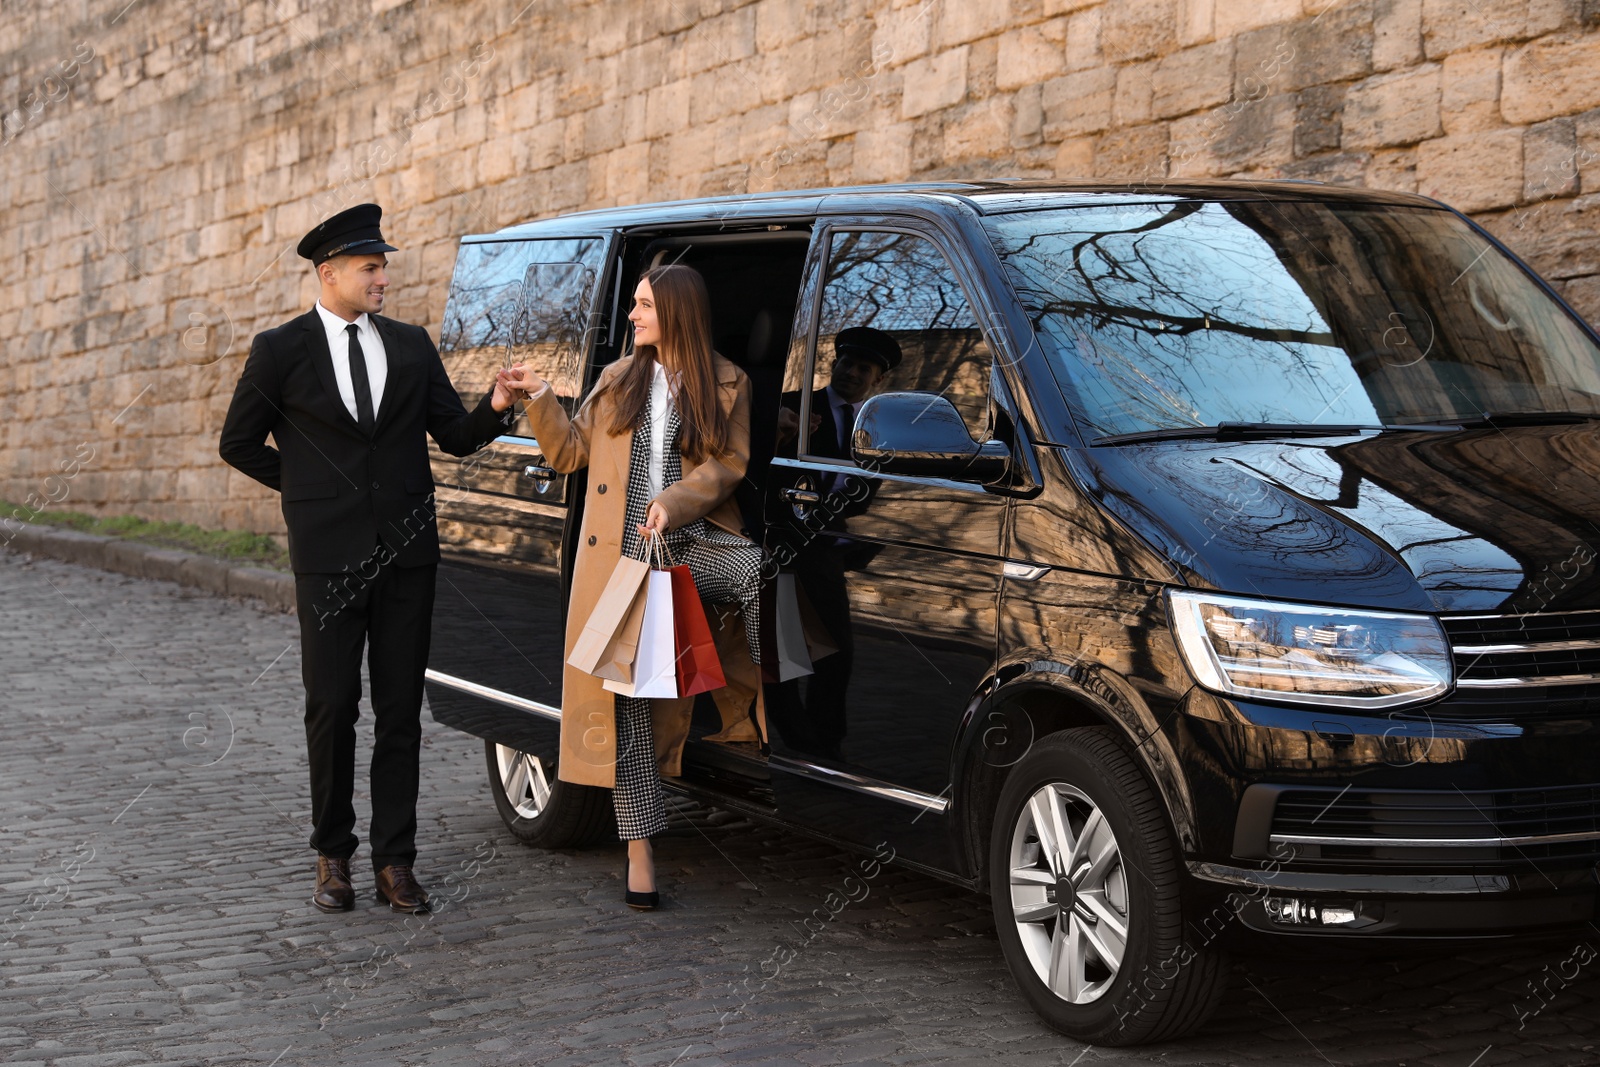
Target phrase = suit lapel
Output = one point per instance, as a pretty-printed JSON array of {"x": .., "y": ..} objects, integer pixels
[
  {"x": 322, "y": 359},
  {"x": 395, "y": 358}
]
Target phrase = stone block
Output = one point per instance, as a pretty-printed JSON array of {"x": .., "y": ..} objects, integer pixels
[
  {"x": 1031, "y": 54},
  {"x": 1197, "y": 20},
  {"x": 1135, "y": 29},
  {"x": 1470, "y": 91},
  {"x": 933, "y": 82},
  {"x": 1233, "y": 19},
  {"x": 1138, "y": 154},
  {"x": 1233, "y": 138},
  {"x": 1192, "y": 79},
  {"x": 1083, "y": 39},
  {"x": 1557, "y": 75},
  {"x": 204, "y": 573},
  {"x": 1454, "y": 25},
  {"x": 979, "y": 130},
  {"x": 1317, "y": 115},
  {"x": 1550, "y": 160},
  {"x": 957, "y": 24},
  {"x": 1078, "y": 103},
  {"x": 902, "y": 34},
  {"x": 162, "y": 564},
  {"x": 1075, "y": 158},
  {"x": 882, "y": 152},
  {"x": 1472, "y": 171},
  {"x": 1393, "y": 109},
  {"x": 1131, "y": 99}
]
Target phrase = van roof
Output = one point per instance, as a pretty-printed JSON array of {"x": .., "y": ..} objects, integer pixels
[{"x": 982, "y": 196}]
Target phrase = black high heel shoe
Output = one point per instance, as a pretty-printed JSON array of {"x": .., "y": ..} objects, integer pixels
[{"x": 641, "y": 901}]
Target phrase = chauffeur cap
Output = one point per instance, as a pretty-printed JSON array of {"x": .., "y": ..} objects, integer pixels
[
  {"x": 865, "y": 343},
  {"x": 352, "y": 232}
]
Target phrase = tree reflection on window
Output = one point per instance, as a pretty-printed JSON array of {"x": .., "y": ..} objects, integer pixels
[
  {"x": 1190, "y": 314},
  {"x": 900, "y": 283}
]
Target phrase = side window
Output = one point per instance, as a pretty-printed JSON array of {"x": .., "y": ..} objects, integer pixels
[
  {"x": 894, "y": 318},
  {"x": 521, "y": 301}
]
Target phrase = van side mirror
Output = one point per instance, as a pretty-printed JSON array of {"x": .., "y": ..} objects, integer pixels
[{"x": 923, "y": 434}]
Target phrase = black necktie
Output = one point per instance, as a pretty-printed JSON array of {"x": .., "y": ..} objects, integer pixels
[
  {"x": 846, "y": 424},
  {"x": 363, "y": 385}
]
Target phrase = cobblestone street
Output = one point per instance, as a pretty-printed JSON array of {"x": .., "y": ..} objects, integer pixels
[{"x": 155, "y": 815}]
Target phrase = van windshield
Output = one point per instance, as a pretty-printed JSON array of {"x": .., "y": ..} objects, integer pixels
[{"x": 1184, "y": 314}]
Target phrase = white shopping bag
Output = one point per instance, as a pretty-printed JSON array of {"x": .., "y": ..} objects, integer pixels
[
  {"x": 794, "y": 659},
  {"x": 655, "y": 668}
]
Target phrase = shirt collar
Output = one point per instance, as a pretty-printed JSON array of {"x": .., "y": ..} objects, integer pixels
[{"x": 334, "y": 324}]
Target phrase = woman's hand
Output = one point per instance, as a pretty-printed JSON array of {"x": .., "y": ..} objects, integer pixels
[
  {"x": 655, "y": 520},
  {"x": 521, "y": 379}
]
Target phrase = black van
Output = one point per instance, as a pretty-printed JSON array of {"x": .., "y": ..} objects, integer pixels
[{"x": 1215, "y": 564}]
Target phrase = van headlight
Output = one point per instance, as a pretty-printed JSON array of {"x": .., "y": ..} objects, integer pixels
[{"x": 1303, "y": 654}]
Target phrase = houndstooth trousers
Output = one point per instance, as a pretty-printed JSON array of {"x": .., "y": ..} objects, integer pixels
[{"x": 726, "y": 568}]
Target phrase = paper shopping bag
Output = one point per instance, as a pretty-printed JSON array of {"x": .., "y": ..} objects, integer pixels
[
  {"x": 793, "y": 658},
  {"x": 608, "y": 614},
  {"x": 699, "y": 669},
  {"x": 819, "y": 642},
  {"x": 616, "y": 662},
  {"x": 655, "y": 664}
]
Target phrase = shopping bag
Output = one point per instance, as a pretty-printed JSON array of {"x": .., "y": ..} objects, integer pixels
[
  {"x": 699, "y": 669},
  {"x": 819, "y": 642},
  {"x": 608, "y": 614},
  {"x": 616, "y": 662},
  {"x": 655, "y": 663},
  {"x": 793, "y": 658}
]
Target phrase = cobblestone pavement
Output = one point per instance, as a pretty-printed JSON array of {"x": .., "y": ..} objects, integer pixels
[{"x": 153, "y": 814}]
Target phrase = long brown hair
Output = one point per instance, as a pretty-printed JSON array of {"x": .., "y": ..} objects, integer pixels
[{"x": 683, "y": 313}]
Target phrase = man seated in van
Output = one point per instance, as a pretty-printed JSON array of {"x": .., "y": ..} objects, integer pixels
[{"x": 863, "y": 358}]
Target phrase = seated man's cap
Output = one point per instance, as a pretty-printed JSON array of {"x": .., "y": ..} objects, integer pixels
[
  {"x": 352, "y": 232},
  {"x": 863, "y": 342}
]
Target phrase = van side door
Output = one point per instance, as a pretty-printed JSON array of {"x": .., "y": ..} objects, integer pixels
[
  {"x": 899, "y": 574},
  {"x": 499, "y": 612}
]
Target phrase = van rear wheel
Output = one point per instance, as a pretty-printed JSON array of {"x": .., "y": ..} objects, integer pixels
[
  {"x": 541, "y": 810},
  {"x": 1084, "y": 882}
]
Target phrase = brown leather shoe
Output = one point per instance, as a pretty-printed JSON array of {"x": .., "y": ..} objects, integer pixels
[
  {"x": 334, "y": 891},
  {"x": 398, "y": 887}
]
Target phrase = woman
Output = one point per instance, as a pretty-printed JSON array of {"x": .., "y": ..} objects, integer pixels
[{"x": 666, "y": 436}]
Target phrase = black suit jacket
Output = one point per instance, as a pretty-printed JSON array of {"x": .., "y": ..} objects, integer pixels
[{"x": 342, "y": 489}]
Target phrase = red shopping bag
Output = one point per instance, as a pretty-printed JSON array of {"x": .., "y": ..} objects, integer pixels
[{"x": 699, "y": 669}]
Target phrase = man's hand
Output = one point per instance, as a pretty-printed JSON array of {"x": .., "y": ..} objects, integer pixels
[{"x": 514, "y": 382}]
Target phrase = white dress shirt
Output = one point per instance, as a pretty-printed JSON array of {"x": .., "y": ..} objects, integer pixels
[
  {"x": 376, "y": 358},
  {"x": 660, "y": 402}
]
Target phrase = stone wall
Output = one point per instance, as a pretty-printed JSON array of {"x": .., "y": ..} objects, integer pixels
[{"x": 160, "y": 158}]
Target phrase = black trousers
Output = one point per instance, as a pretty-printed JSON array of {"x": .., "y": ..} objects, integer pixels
[{"x": 390, "y": 615}]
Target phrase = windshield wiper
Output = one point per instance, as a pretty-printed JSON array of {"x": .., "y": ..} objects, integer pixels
[
  {"x": 1238, "y": 431},
  {"x": 1493, "y": 419}
]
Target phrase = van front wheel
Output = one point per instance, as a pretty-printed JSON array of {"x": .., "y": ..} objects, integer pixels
[
  {"x": 538, "y": 808},
  {"x": 1084, "y": 881}
]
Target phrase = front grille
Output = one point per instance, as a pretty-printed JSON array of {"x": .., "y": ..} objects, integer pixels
[
  {"x": 1426, "y": 826},
  {"x": 1511, "y": 668}
]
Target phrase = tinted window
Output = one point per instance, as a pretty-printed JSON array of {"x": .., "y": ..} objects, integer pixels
[
  {"x": 1190, "y": 314},
  {"x": 521, "y": 301},
  {"x": 901, "y": 284}
]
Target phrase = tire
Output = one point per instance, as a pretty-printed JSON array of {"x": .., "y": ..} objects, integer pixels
[
  {"x": 1146, "y": 984},
  {"x": 539, "y": 809}
]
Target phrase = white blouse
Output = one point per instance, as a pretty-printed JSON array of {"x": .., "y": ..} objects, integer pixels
[{"x": 660, "y": 401}]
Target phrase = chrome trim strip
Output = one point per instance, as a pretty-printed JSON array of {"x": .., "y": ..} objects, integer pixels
[
  {"x": 510, "y": 700},
  {"x": 1524, "y": 615},
  {"x": 1531, "y": 646},
  {"x": 1435, "y": 842},
  {"x": 1025, "y": 572},
  {"x": 860, "y": 784},
  {"x": 1524, "y": 683}
]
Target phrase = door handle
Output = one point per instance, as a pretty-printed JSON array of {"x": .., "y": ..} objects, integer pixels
[
  {"x": 542, "y": 476},
  {"x": 802, "y": 496}
]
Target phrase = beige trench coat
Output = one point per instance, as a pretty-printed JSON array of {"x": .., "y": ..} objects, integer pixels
[{"x": 588, "y": 720}]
